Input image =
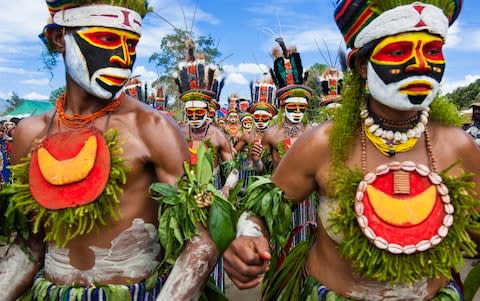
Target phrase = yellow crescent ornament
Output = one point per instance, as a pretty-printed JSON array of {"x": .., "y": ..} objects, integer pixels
[{"x": 71, "y": 170}]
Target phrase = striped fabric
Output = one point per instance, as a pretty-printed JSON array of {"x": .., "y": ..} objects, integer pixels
[
  {"x": 303, "y": 214},
  {"x": 137, "y": 292},
  {"x": 354, "y": 15},
  {"x": 246, "y": 172},
  {"x": 451, "y": 292}
]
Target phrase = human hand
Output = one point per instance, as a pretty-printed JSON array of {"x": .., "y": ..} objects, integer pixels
[
  {"x": 256, "y": 151},
  {"x": 246, "y": 260}
]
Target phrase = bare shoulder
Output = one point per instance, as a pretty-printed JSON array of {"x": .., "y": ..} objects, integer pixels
[
  {"x": 218, "y": 135},
  {"x": 315, "y": 139},
  {"x": 455, "y": 144},
  {"x": 27, "y": 131}
]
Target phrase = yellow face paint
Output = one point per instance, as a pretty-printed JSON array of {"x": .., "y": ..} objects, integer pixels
[{"x": 422, "y": 47}]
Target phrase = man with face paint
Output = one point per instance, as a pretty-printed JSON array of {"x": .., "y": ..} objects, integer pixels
[
  {"x": 397, "y": 211},
  {"x": 293, "y": 97},
  {"x": 93, "y": 232},
  {"x": 232, "y": 125},
  {"x": 199, "y": 89}
]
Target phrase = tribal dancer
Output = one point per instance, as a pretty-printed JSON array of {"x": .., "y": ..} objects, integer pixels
[
  {"x": 293, "y": 97},
  {"x": 398, "y": 198},
  {"x": 83, "y": 173},
  {"x": 198, "y": 87},
  {"x": 232, "y": 125}
]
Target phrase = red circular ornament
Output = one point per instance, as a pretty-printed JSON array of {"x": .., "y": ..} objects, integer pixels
[
  {"x": 403, "y": 208},
  {"x": 67, "y": 153}
]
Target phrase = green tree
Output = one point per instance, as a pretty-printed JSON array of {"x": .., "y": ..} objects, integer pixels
[
  {"x": 173, "y": 50},
  {"x": 55, "y": 94},
  {"x": 13, "y": 102},
  {"x": 314, "y": 74},
  {"x": 464, "y": 96}
]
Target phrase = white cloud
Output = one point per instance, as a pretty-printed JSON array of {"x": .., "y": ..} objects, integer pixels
[
  {"x": 463, "y": 37},
  {"x": 36, "y": 96},
  {"x": 248, "y": 68},
  {"x": 450, "y": 86},
  {"x": 17, "y": 71},
  {"x": 147, "y": 76},
  {"x": 236, "y": 78},
  {"x": 36, "y": 82}
]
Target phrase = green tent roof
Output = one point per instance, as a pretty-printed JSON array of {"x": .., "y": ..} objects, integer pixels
[{"x": 31, "y": 107}]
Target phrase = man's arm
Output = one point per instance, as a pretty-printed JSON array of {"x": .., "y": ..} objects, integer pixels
[
  {"x": 199, "y": 256},
  {"x": 247, "y": 258}
]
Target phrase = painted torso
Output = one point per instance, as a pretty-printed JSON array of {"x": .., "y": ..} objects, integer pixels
[
  {"x": 278, "y": 140},
  {"x": 338, "y": 275},
  {"x": 135, "y": 202}
]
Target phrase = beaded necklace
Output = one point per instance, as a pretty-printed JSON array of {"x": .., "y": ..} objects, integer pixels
[
  {"x": 198, "y": 136},
  {"x": 388, "y": 138},
  {"x": 80, "y": 121},
  {"x": 293, "y": 129}
]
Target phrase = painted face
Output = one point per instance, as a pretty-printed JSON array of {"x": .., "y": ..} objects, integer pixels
[
  {"x": 261, "y": 119},
  {"x": 247, "y": 122},
  {"x": 405, "y": 70},
  {"x": 100, "y": 59},
  {"x": 295, "y": 111},
  {"x": 196, "y": 116},
  {"x": 233, "y": 117}
]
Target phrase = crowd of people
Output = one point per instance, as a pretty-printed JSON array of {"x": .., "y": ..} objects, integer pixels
[{"x": 106, "y": 198}]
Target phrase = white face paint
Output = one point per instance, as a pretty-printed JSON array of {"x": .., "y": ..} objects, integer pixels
[
  {"x": 76, "y": 67},
  {"x": 391, "y": 95},
  {"x": 294, "y": 117},
  {"x": 247, "y": 123},
  {"x": 261, "y": 119},
  {"x": 198, "y": 123}
]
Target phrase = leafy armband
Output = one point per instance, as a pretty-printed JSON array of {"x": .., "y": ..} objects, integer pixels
[
  {"x": 264, "y": 199},
  {"x": 193, "y": 201}
]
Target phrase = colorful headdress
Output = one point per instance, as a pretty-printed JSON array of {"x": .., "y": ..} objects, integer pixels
[
  {"x": 331, "y": 82},
  {"x": 288, "y": 74},
  {"x": 364, "y": 21},
  {"x": 245, "y": 115},
  {"x": 263, "y": 106},
  {"x": 264, "y": 90},
  {"x": 121, "y": 14},
  {"x": 263, "y": 93},
  {"x": 196, "y": 79}
]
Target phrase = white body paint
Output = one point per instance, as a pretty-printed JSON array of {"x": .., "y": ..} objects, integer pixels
[
  {"x": 187, "y": 276},
  {"x": 247, "y": 227},
  {"x": 232, "y": 178},
  {"x": 13, "y": 268},
  {"x": 132, "y": 254},
  {"x": 325, "y": 207},
  {"x": 390, "y": 94},
  {"x": 384, "y": 291}
]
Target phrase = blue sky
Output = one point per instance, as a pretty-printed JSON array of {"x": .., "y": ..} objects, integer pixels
[{"x": 245, "y": 32}]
